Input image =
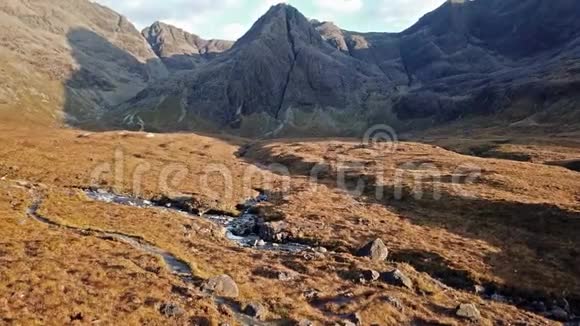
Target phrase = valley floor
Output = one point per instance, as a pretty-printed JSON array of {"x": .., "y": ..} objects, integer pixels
[{"x": 496, "y": 232}]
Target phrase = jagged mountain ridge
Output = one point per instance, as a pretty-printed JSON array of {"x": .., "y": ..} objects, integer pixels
[
  {"x": 282, "y": 60},
  {"x": 180, "y": 50},
  {"x": 465, "y": 59},
  {"x": 291, "y": 76}
]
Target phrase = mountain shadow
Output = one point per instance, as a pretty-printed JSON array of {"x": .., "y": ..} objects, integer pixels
[{"x": 105, "y": 77}]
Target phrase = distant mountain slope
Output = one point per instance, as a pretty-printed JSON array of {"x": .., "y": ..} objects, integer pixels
[
  {"x": 280, "y": 65},
  {"x": 511, "y": 58},
  {"x": 510, "y": 63},
  {"x": 179, "y": 49},
  {"x": 70, "y": 56},
  {"x": 514, "y": 62}
]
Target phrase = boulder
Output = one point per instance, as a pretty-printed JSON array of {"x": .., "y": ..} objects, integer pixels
[
  {"x": 256, "y": 310},
  {"x": 376, "y": 250},
  {"x": 222, "y": 286},
  {"x": 397, "y": 278},
  {"x": 468, "y": 311},
  {"x": 273, "y": 231}
]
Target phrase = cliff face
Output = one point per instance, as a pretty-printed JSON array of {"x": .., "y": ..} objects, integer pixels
[{"x": 181, "y": 50}]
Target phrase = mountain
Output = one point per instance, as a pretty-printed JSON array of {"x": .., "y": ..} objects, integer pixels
[
  {"x": 513, "y": 61},
  {"x": 180, "y": 50},
  {"x": 483, "y": 59},
  {"x": 69, "y": 60},
  {"x": 507, "y": 63},
  {"x": 280, "y": 74}
]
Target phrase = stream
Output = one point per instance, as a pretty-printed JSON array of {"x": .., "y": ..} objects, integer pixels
[
  {"x": 240, "y": 229},
  {"x": 177, "y": 266}
]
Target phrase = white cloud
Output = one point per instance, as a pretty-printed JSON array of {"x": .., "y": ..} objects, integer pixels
[
  {"x": 400, "y": 14},
  {"x": 233, "y": 31},
  {"x": 343, "y": 6},
  {"x": 186, "y": 13}
]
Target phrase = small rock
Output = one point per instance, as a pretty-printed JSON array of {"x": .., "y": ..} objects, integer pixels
[
  {"x": 286, "y": 276},
  {"x": 395, "y": 303},
  {"x": 321, "y": 250},
  {"x": 370, "y": 275},
  {"x": 478, "y": 289},
  {"x": 150, "y": 135},
  {"x": 311, "y": 294},
  {"x": 356, "y": 319},
  {"x": 260, "y": 243},
  {"x": 348, "y": 323},
  {"x": 222, "y": 286},
  {"x": 397, "y": 278},
  {"x": 560, "y": 314},
  {"x": 256, "y": 310},
  {"x": 375, "y": 249},
  {"x": 84, "y": 135},
  {"x": 468, "y": 310},
  {"x": 171, "y": 310},
  {"x": 304, "y": 322}
]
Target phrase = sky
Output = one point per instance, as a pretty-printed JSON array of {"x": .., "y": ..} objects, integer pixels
[{"x": 230, "y": 19}]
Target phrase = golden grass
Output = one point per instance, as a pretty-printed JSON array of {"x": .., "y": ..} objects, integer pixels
[{"x": 483, "y": 240}]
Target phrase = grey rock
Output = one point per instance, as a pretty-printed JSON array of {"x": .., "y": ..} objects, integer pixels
[
  {"x": 287, "y": 276},
  {"x": 171, "y": 310},
  {"x": 180, "y": 50},
  {"x": 273, "y": 231},
  {"x": 478, "y": 289},
  {"x": 468, "y": 311},
  {"x": 321, "y": 250},
  {"x": 376, "y": 250},
  {"x": 397, "y": 278},
  {"x": 304, "y": 322},
  {"x": 222, "y": 286},
  {"x": 395, "y": 303},
  {"x": 370, "y": 275},
  {"x": 256, "y": 310},
  {"x": 311, "y": 294}
]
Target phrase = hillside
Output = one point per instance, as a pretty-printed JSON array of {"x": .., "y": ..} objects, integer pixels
[
  {"x": 455, "y": 64},
  {"x": 68, "y": 61}
]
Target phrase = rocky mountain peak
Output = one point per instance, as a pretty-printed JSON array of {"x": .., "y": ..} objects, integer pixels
[
  {"x": 285, "y": 21},
  {"x": 179, "y": 49}
]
